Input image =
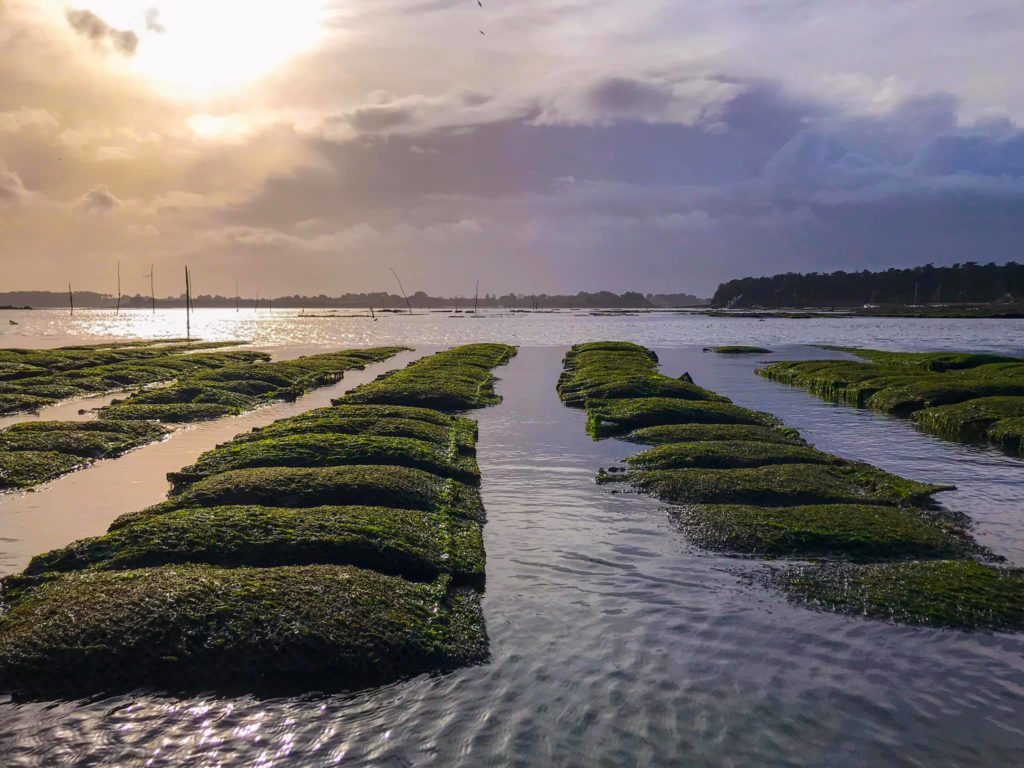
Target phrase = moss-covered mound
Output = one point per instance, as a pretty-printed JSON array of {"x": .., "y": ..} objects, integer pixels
[
  {"x": 456, "y": 379},
  {"x": 780, "y": 485},
  {"x": 666, "y": 434},
  {"x": 723, "y": 454},
  {"x": 414, "y": 544},
  {"x": 234, "y": 390},
  {"x": 35, "y": 452},
  {"x": 190, "y": 626},
  {"x": 441, "y": 430},
  {"x": 376, "y": 486},
  {"x": 852, "y": 531},
  {"x": 960, "y": 396},
  {"x": 607, "y": 418},
  {"x": 746, "y": 484},
  {"x": 609, "y": 370},
  {"x": 949, "y": 593},
  {"x": 339, "y": 548},
  {"x": 329, "y": 450},
  {"x": 738, "y": 349},
  {"x": 32, "y": 379}
]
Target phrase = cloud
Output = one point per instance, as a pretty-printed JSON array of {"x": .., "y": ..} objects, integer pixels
[
  {"x": 26, "y": 118},
  {"x": 12, "y": 190},
  {"x": 88, "y": 24},
  {"x": 153, "y": 21},
  {"x": 99, "y": 201}
]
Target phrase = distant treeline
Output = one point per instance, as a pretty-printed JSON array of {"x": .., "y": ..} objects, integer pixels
[
  {"x": 419, "y": 300},
  {"x": 961, "y": 283}
]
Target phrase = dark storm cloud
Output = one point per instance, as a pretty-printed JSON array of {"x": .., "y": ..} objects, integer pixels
[{"x": 88, "y": 24}]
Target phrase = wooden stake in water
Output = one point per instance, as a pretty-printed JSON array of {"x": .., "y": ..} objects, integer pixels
[
  {"x": 71, "y": 300},
  {"x": 256, "y": 306},
  {"x": 476, "y": 297},
  {"x": 188, "y": 306}
]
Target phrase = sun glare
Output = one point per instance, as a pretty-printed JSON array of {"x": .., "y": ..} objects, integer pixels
[{"x": 199, "y": 48}]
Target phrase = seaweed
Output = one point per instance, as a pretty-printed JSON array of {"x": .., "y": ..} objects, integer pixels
[
  {"x": 595, "y": 371},
  {"x": 410, "y": 543},
  {"x": 325, "y": 450},
  {"x": 780, "y": 485},
  {"x": 456, "y": 379},
  {"x": 284, "y": 559},
  {"x": 724, "y": 454},
  {"x": 855, "y": 531},
  {"x": 961, "y": 594},
  {"x": 958, "y": 396},
  {"x": 607, "y": 418},
  {"x": 665, "y": 434},
  {"x": 196, "y": 627},
  {"x": 23, "y": 469}
]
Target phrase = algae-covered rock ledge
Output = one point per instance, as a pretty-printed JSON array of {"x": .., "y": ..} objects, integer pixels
[
  {"x": 334, "y": 550},
  {"x": 742, "y": 483}
]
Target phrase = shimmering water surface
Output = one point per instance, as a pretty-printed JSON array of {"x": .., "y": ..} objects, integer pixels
[{"x": 613, "y": 642}]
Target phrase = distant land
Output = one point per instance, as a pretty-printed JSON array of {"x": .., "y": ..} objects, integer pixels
[
  {"x": 969, "y": 283},
  {"x": 419, "y": 300}
]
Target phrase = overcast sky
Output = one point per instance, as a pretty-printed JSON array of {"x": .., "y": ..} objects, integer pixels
[{"x": 654, "y": 145}]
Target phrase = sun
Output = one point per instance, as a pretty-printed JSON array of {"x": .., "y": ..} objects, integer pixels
[{"x": 202, "y": 48}]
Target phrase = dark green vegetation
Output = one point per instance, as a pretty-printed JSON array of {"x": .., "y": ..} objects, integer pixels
[
  {"x": 454, "y": 380},
  {"x": 33, "y": 379},
  {"x": 745, "y": 484},
  {"x": 944, "y": 593},
  {"x": 236, "y": 389},
  {"x": 336, "y": 549},
  {"x": 37, "y": 451},
  {"x": 970, "y": 397},
  {"x": 196, "y": 626},
  {"x": 969, "y": 282},
  {"x": 32, "y": 453},
  {"x": 738, "y": 350},
  {"x": 616, "y": 369}
]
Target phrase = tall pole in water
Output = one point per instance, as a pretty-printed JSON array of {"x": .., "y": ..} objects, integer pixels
[
  {"x": 402, "y": 289},
  {"x": 188, "y": 306},
  {"x": 71, "y": 300},
  {"x": 476, "y": 296},
  {"x": 117, "y": 311}
]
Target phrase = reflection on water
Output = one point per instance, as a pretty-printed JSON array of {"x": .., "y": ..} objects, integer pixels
[
  {"x": 616, "y": 644},
  {"x": 51, "y": 328}
]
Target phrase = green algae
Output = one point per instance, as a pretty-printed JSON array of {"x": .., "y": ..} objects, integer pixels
[
  {"x": 409, "y": 543},
  {"x": 960, "y": 594},
  {"x": 595, "y": 371},
  {"x": 23, "y": 469},
  {"x": 738, "y": 349},
  {"x": 360, "y": 485},
  {"x": 854, "y": 531},
  {"x": 456, "y": 379},
  {"x": 666, "y": 434},
  {"x": 930, "y": 361},
  {"x": 314, "y": 627},
  {"x": 264, "y": 525},
  {"x": 965, "y": 397},
  {"x": 326, "y": 450},
  {"x": 724, "y": 454},
  {"x": 87, "y": 443},
  {"x": 459, "y": 435},
  {"x": 606, "y": 418},
  {"x": 970, "y": 420},
  {"x": 780, "y": 485}
]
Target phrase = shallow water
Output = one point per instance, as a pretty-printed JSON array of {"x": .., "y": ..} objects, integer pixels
[{"x": 613, "y": 642}]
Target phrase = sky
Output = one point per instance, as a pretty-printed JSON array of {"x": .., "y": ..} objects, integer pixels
[{"x": 309, "y": 146}]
